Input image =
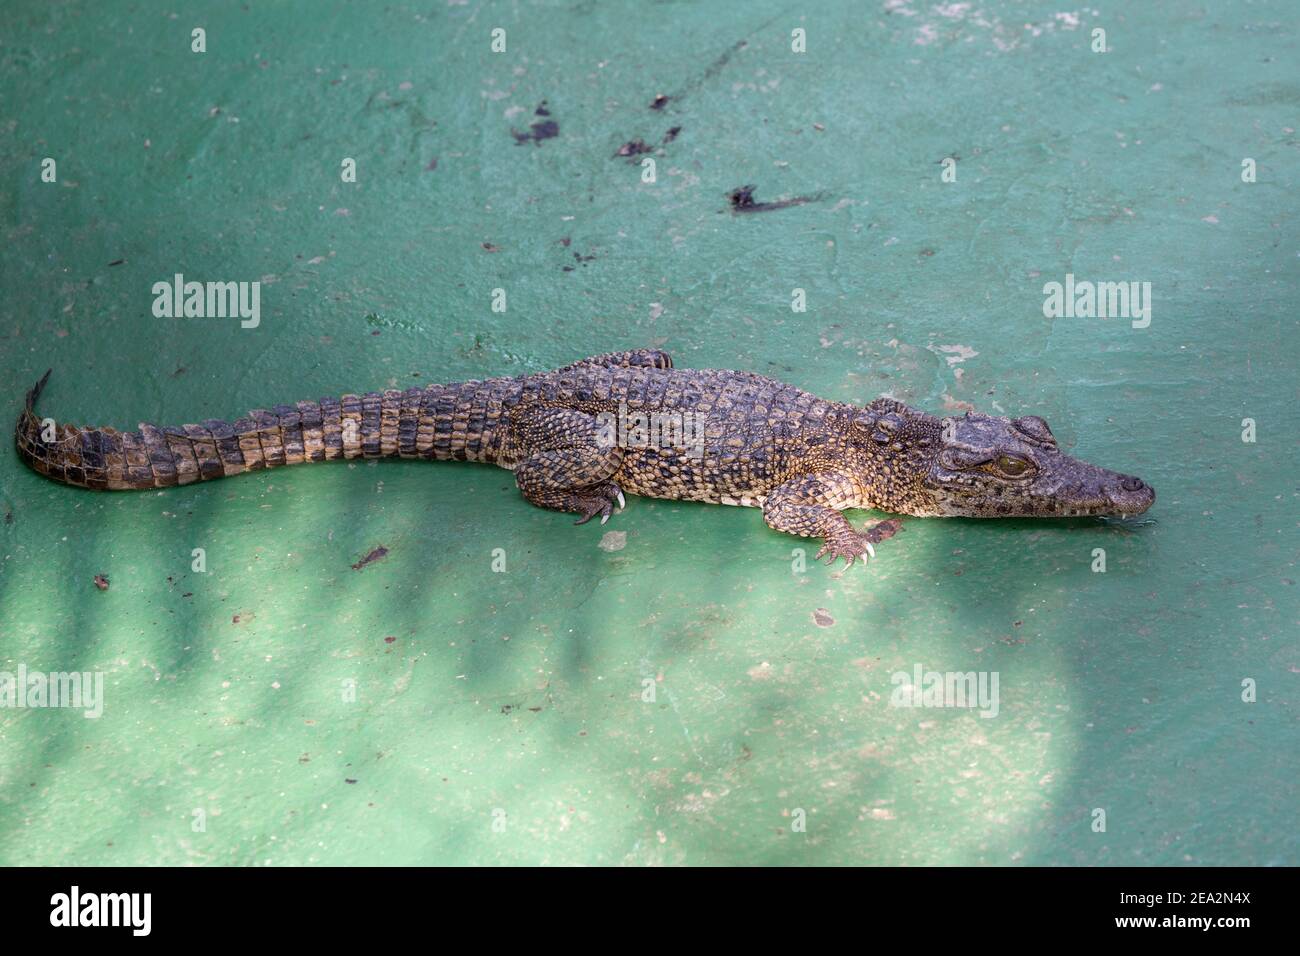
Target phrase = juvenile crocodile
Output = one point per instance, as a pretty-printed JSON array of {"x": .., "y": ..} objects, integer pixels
[{"x": 757, "y": 442}]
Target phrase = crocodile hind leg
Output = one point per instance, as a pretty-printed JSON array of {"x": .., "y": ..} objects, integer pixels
[
  {"x": 809, "y": 506},
  {"x": 566, "y": 461}
]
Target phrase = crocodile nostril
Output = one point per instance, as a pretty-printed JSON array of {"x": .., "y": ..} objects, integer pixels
[{"x": 1130, "y": 483}]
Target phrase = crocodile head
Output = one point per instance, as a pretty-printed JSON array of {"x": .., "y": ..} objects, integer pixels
[{"x": 984, "y": 466}]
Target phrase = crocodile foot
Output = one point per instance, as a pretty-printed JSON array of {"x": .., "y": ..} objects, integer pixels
[
  {"x": 597, "y": 500},
  {"x": 848, "y": 545}
]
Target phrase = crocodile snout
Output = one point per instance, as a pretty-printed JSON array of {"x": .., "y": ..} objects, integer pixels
[{"x": 1130, "y": 496}]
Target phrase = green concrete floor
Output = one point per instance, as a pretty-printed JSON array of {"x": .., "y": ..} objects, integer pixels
[{"x": 517, "y": 697}]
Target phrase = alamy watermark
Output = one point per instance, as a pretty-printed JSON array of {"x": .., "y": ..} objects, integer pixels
[
  {"x": 922, "y": 688},
  {"x": 683, "y": 431},
  {"x": 208, "y": 300},
  {"x": 75, "y": 908},
  {"x": 78, "y": 690},
  {"x": 1098, "y": 300}
]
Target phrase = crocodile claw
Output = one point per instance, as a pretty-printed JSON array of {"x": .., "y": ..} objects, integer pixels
[
  {"x": 596, "y": 506},
  {"x": 849, "y": 547},
  {"x": 599, "y": 500}
]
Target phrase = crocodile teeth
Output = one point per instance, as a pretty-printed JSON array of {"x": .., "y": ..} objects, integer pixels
[
  {"x": 621, "y": 502},
  {"x": 604, "y": 518}
]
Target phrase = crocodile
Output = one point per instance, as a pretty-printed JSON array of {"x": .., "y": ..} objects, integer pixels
[{"x": 578, "y": 437}]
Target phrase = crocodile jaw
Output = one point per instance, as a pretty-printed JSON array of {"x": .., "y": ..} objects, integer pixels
[{"x": 1064, "y": 487}]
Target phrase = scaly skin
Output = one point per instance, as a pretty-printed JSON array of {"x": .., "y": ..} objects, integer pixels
[{"x": 759, "y": 442}]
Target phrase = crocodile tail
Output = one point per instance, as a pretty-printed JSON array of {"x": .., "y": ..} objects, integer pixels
[{"x": 390, "y": 424}]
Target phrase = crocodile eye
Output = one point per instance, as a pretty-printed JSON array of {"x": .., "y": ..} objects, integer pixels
[{"x": 1012, "y": 467}]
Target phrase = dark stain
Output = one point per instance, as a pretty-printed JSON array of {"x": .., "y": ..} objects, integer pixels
[
  {"x": 348, "y": 780},
  {"x": 742, "y": 201},
  {"x": 433, "y": 164},
  {"x": 9, "y": 517},
  {"x": 716, "y": 66},
  {"x": 491, "y": 248},
  {"x": 636, "y": 147},
  {"x": 116, "y": 262},
  {"x": 180, "y": 370},
  {"x": 546, "y": 129},
  {"x": 370, "y": 558},
  {"x": 565, "y": 241},
  {"x": 541, "y": 109},
  {"x": 633, "y": 147},
  {"x": 883, "y": 530},
  {"x": 719, "y": 62},
  {"x": 389, "y": 640},
  {"x": 659, "y": 102},
  {"x": 101, "y": 582}
]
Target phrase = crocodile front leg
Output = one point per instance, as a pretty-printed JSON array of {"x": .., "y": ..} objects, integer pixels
[
  {"x": 809, "y": 506},
  {"x": 567, "y": 461}
]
